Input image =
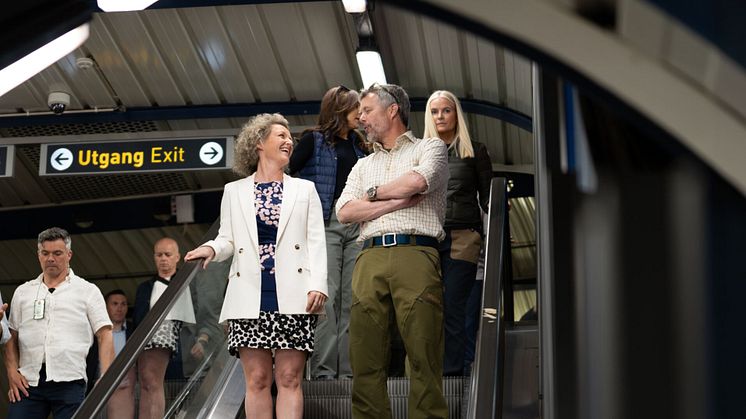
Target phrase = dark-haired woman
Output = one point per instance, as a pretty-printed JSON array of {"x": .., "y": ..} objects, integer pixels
[{"x": 325, "y": 155}]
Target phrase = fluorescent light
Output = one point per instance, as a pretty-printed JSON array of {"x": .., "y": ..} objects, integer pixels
[
  {"x": 124, "y": 5},
  {"x": 354, "y": 6},
  {"x": 25, "y": 68},
  {"x": 371, "y": 68}
]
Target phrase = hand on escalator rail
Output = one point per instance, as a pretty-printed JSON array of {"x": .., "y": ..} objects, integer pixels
[{"x": 206, "y": 252}]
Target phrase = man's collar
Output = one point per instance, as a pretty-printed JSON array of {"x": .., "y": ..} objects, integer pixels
[
  {"x": 162, "y": 280},
  {"x": 407, "y": 135},
  {"x": 167, "y": 278},
  {"x": 68, "y": 278}
]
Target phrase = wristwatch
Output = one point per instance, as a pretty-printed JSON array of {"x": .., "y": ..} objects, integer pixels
[{"x": 372, "y": 193}]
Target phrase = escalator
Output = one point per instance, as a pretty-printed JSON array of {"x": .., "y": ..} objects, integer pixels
[{"x": 505, "y": 372}]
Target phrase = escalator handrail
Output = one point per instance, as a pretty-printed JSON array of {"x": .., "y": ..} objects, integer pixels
[
  {"x": 126, "y": 359},
  {"x": 485, "y": 388}
]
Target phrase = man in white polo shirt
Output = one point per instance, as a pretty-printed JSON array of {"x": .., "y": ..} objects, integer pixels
[{"x": 53, "y": 319}]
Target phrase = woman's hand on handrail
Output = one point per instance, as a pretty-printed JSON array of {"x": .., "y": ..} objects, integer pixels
[{"x": 203, "y": 252}]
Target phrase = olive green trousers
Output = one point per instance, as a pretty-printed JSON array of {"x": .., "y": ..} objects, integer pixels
[{"x": 403, "y": 281}]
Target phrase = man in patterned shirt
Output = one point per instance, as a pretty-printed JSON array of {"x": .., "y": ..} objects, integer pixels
[{"x": 398, "y": 195}]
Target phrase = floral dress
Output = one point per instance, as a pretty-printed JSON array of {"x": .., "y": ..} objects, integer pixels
[{"x": 272, "y": 330}]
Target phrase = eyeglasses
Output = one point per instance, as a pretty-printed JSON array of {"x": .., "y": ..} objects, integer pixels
[
  {"x": 343, "y": 88},
  {"x": 388, "y": 91}
]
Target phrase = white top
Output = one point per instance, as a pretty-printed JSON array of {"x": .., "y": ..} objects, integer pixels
[
  {"x": 72, "y": 314},
  {"x": 182, "y": 309},
  {"x": 429, "y": 158},
  {"x": 6, "y": 331}
]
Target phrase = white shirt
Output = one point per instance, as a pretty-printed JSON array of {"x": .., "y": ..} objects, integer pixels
[
  {"x": 120, "y": 338},
  {"x": 6, "y": 331},
  {"x": 429, "y": 158},
  {"x": 182, "y": 309},
  {"x": 72, "y": 314}
]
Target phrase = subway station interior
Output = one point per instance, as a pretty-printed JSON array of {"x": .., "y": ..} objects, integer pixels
[{"x": 614, "y": 261}]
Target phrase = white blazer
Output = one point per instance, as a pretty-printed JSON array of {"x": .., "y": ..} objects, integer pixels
[{"x": 300, "y": 252}]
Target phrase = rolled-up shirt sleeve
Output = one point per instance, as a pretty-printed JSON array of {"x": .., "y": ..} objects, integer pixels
[
  {"x": 433, "y": 164},
  {"x": 353, "y": 187}
]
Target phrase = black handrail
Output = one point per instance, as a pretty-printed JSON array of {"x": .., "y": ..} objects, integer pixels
[
  {"x": 486, "y": 389},
  {"x": 508, "y": 283},
  {"x": 104, "y": 388}
]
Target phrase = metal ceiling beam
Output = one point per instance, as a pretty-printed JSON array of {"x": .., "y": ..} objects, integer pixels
[
  {"x": 164, "y": 113},
  {"x": 106, "y": 216}
]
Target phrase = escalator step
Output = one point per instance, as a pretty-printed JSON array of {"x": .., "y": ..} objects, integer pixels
[{"x": 330, "y": 399}]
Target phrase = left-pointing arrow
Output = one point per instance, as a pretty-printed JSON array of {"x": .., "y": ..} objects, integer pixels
[{"x": 61, "y": 159}]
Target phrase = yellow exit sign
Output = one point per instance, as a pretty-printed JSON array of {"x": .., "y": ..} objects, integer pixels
[{"x": 137, "y": 156}]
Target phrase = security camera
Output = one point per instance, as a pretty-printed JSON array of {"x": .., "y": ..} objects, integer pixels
[{"x": 58, "y": 101}]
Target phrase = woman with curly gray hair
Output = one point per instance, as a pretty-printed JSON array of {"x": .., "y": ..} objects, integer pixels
[{"x": 272, "y": 225}]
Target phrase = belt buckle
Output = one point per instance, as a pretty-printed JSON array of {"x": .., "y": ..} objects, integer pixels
[{"x": 386, "y": 243}]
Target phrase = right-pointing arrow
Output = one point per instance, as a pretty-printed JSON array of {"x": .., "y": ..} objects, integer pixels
[{"x": 210, "y": 153}]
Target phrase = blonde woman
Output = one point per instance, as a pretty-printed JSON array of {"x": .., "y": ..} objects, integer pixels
[
  {"x": 470, "y": 171},
  {"x": 272, "y": 225}
]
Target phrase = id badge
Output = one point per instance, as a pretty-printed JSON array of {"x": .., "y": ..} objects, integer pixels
[{"x": 38, "y": 309}]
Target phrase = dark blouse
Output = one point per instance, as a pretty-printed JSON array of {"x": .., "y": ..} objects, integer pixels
[{"x": 268, "y": 202}]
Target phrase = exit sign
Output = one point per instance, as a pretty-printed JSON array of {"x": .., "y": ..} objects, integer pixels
[{"x": 137, "y": 156}]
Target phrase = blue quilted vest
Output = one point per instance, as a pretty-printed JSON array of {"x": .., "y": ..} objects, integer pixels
[{"x": 321, "y": 169}]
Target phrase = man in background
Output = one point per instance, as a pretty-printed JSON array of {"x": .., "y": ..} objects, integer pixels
[
  {"x": 53, "y": 319},
  {"x": 122, "y": 403},
  {"x": 154, "y": 359}
]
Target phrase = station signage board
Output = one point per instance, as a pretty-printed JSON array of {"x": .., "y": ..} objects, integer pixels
[
  {"x": 136, "y": 156},
  {"x": 7, "y": 152}
]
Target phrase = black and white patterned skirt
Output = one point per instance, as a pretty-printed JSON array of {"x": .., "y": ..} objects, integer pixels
[
  {"x": 272, "y": 330},
  {"x": 166, "y": 337}
]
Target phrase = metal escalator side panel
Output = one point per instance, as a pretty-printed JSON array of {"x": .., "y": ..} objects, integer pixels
[
  {"x": 223, "y": 389},
  {"x": 96, "y": 400},
  {"x": 485, "y": 390}
]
